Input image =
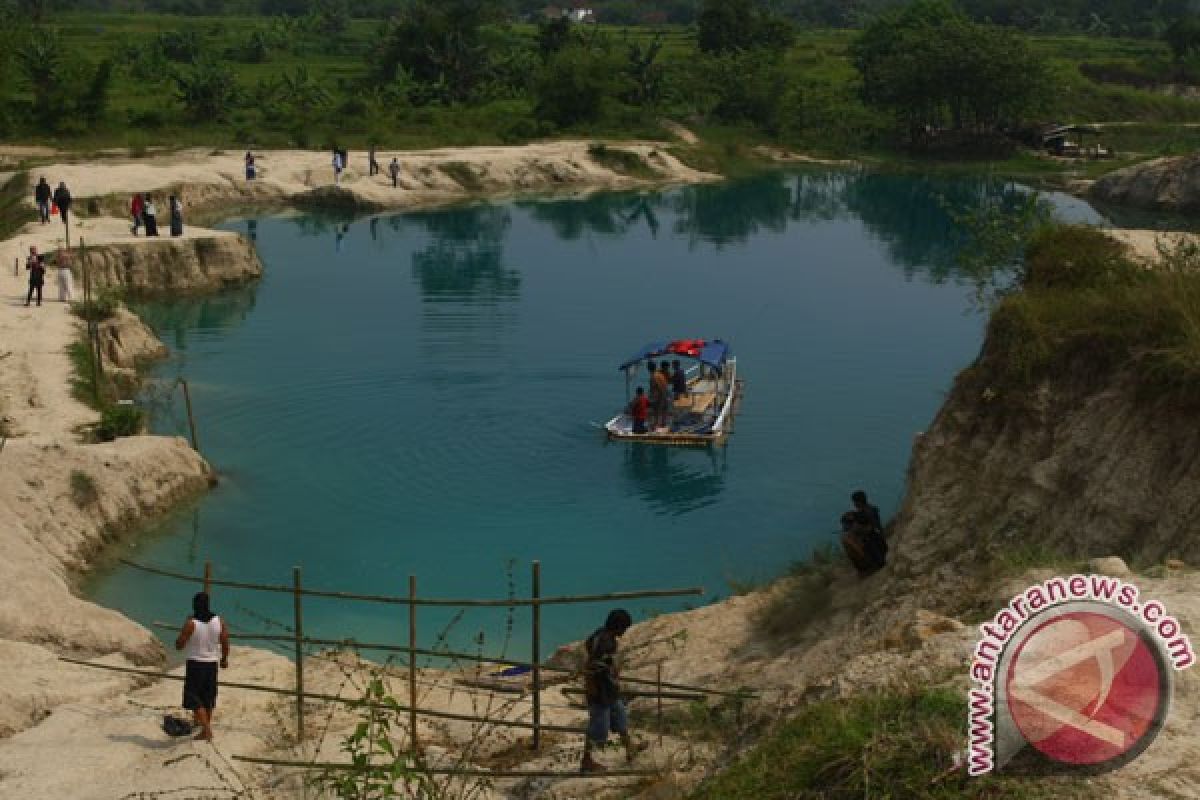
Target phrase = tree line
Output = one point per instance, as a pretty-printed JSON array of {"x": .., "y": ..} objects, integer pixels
[{"x": 927, "y": 73}]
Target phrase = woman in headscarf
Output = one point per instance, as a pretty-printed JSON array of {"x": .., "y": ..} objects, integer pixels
[
  {"x": 150, "y": 216},
  {"x": 205, "y": 643},
  {"x": 176, "y": 216},
  {"x": 62, "y": 260}
]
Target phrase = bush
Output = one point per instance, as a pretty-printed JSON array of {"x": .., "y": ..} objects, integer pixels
[
  {"x": 1076, "y": 257},
  {"x": 119, "y": 420},
  {"x": 83, "y": 489},
  {"x": 576, "y": 85},
  {"x": 102, "y": 306}
]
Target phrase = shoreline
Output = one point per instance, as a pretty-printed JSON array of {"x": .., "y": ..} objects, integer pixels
[{"x": 54, "y": 542}]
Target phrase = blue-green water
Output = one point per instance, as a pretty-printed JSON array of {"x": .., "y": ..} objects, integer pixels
[{"x": 417, "y": 394}]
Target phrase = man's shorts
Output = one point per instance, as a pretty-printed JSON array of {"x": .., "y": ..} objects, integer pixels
[
  {"x": 602, "y": 719},
  {"x": 200, "y": 685}
]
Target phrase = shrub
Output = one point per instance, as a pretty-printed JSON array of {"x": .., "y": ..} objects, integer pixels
[
  {"x": 119, "y": 420},
  {"x": 83, "y": 489},
  {"x": 101, "y": 307},
  {"x": 1076, "y": 257}
]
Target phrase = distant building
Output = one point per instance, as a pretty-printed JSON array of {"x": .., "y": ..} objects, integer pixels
[{"x": 581, "y": 15}]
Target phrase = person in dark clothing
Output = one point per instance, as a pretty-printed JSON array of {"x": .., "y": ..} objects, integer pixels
[
  {"x": 862, "y": 536},
  {"x": 606, "y": 709},
  {"x": 136, "y": 207},
  {"x": 42, "y": 195},
  {"x": 176, "y": 216},
  {"x": 679, "y": 384},
  {"x": 62, "y": 199},
  {"x": 372, "y": 165},
  {"x": 150, "y": 216},
  {"x": 639, "y": 409},
  {"x": 36, "y": 265},
  {"x": 394, "y": 171},
  {"x": 251, "y": 169}
]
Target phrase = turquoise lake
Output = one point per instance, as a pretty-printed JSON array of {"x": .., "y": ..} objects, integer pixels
[{"x": 418, "y": 393}]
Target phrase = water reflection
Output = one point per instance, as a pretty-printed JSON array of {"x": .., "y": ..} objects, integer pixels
[
  {"x": 464, "y": 260},
  {"x": 599, "y": 214},
  {"x": 674, "y": 481},
  {"x": 173, "y": 319},
  {"x": 730, "y": 213}
]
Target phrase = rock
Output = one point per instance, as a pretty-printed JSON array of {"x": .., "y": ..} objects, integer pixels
[
  {"x": 1174, "y": 563},
  {"x": 1164, "y": 183},
  {"x": 1110, "y": 565},
  {"x": 126, "y": 341}
]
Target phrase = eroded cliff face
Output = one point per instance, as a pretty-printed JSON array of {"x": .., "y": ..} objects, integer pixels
[
  {"x": 1088, "y": 462},
  {"x": 1169, "y": 184},
  {"x": 201, "y": 264}
]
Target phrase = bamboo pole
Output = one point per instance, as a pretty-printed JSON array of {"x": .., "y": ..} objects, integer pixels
[
  {"x": 453, "y": 771},
  {"x": 659, "y": 699},
  {"x": 299, "y": 630},
  {"x": 207, "y": 576},
  {"x": 332, "y": 698},
  {"x": 412, "y": 663},
  {"x": 426, "y": 601},
  {"x": 536, "y": 654},
  {"x": 187, "y": 400}
]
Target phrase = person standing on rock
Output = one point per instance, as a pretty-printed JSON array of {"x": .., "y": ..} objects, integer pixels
[
  {"x": 62, "y": 199},
  {"x": 606, "y": 709},
  {"x": 372, "y": 164},
  {"x": 205, "y": 643},
  {"x": 36, "y": 266},
  {"x": 176, "y": 216},
  {"x": 394, "y": 171},
  {"x": 41, "y": 195}
]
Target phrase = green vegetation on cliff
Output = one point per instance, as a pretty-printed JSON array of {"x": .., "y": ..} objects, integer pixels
[{"x": 1083, "y": 303}]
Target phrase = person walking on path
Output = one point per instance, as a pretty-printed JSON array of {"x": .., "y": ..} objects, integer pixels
[
  {"x": 394, "y": 171},
  {"x": 372, "y": 164},
  {"x": 62, "y": 199},
  {"x": 204, "y": 641},
  {"x": 62, "y": 260},
  {"x": 338, "y": 166},
  {"x": 176, "y": 216},
  {"x": 606, "y": 709},
  {"x": 36, "y": 266},
  {"x": 150, "y": 215},
  {"x": 251, "y": 170},
  {"x": 136, "y": 207},
  {"x": 42, "y": 195}
]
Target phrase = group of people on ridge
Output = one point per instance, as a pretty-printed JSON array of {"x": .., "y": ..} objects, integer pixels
[
  {"x": 666, "y": 380},
  {"x": 35, "y": 265},
  {"x": 341, "y": 162},
  {"x": 145, "y": 214}
]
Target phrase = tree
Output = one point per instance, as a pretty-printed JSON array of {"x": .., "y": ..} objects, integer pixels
[
  {"x": 576, "y": 84},
  {"x": 1183, "y": 36},
  {"x": 208, "y": 90},
  {"x": 730, "y": 25},
  {"x": 439, "y": 44},
  {"x": 932, "y": 68}
]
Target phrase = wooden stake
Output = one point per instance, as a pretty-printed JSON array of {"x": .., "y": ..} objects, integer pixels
[
  {"x": 207, "y": 576},
  {"x": 658, "y": 689},
  {"x": 187, "y": 400},
  {"x": 535, "y": 659},
  {"x": 412, "y": 663},
  {"x": 299, "y": 630}
]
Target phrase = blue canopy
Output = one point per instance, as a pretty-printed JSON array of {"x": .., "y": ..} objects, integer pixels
[{"x": 712, "y": 352}]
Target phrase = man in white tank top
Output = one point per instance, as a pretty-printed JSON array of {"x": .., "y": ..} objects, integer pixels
[{"x": 205, "y": 643}]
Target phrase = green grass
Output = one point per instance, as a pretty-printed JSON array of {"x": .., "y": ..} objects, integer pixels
[
  {"x": 83, "y": 489},
  {"x": 625, "y": 162},
  {"x": 887, "y": 745}
]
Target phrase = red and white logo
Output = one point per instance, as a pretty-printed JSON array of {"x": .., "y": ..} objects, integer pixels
[{"x": 1087, "y": 687}]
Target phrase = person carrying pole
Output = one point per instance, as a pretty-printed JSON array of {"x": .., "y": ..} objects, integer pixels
[
  {"x": 205, "y": 642},
  {"x": 606, "y": 709}
]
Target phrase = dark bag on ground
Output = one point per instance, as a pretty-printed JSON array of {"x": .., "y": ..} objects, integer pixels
[{"x": 176, "y": 726}]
